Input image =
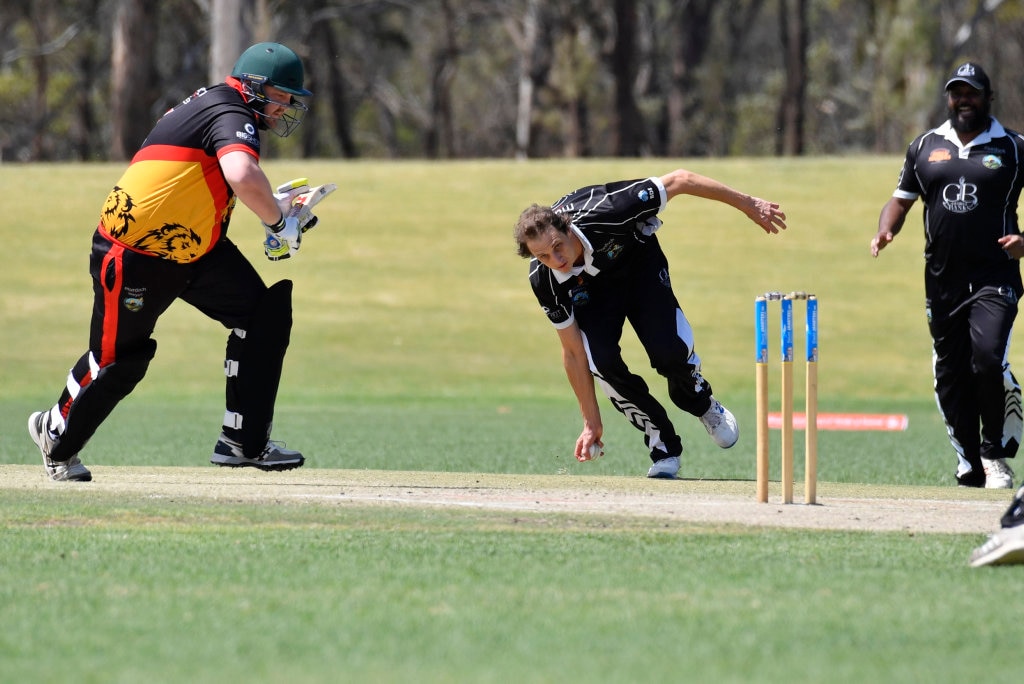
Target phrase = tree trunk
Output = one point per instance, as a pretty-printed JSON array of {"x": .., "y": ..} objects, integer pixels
[
  {"x": 527, "y": 46},
  {"x": 132, "y": 76},
  {"x": 790, "y": 122},
  {"x": 440, "y": 137},
  {"x": 628, "y": 138},
  {"x": 571, "y": 94},
  {"x": 693, "y": 28},
  {"x": 39, "y": 149},
  {"x": 229, "y": 35},
  {"x": 86, "y": 122},
  {"x": 323, "y": 37}
]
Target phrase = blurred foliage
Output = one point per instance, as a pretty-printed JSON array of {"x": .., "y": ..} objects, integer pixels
[{"x": 443, "y": 78}]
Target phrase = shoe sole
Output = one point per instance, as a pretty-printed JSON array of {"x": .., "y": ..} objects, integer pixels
[
  {"x": 730, "y": 445},
  {"x": 230, "y": 462},
  {"x": 1008, "y": 553},
  {"x": 38, "y": 438},
  {"x": 83, "y": 477},
  {"x": 661, "y": 476}
]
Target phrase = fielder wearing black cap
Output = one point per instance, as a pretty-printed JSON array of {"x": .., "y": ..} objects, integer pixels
[
  {"x": 971, "y": 74},
  {"x": 969, "y": 174}
]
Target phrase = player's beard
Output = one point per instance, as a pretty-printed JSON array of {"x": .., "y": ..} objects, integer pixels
[{"x": 973, "y": 121}]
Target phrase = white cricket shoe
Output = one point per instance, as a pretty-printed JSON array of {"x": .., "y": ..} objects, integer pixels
[
  {"x": 721, "y": 424},
  {"x": 59, "y": 471},
  {"x": 274, "y": 456},
  {"x": 998, "y": 474},
  {"x": 665, "y": 468},
  {"x": 1005, "y": 547}
]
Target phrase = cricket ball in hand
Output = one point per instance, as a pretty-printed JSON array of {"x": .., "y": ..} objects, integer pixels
[{"x": 595, "y": 451}]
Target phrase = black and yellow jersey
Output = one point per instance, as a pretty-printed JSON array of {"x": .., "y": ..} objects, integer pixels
[{"x": 173, "y": 201}]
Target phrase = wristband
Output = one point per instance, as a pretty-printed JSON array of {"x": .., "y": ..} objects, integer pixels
[{"x": 277, "y": 227}]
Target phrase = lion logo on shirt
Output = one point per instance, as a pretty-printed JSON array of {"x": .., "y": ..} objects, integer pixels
[
  {"x": 117, "y": 212},
  {"x": 172, "y": 241}
]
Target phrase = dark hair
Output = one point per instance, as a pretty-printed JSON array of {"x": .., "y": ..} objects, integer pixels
[{"x": 534, "y": 222}]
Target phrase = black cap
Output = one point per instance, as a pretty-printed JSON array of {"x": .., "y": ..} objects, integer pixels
[{"x": 971, "y": 74}]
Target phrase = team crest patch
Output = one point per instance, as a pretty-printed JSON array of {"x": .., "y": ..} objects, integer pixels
[
  {"x": 940, "y": 155},
  {"x": 610, "y": 249},
  {"x": 991, "y": 161},
  {"x": 579, "y": 294},
  {"x": 134, "y": 298}
]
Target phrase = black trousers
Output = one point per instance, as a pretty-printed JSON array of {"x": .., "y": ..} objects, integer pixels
[
  {"x": 641, "y": 293},
  {"x": 131, "y": 292},
  {"x": 978, "y": 396}
]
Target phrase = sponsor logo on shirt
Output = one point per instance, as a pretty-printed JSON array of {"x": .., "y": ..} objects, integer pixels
[
  {"x": 939, "y": 155},
  {"x": 198, "y": 93},
  {"x": 960, "y": 197},
  {"x": 248, "y": 135},
  {"x": 991, "y": 161}
]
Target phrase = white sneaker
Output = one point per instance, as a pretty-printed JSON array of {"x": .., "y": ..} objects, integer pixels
[
  {"x": 665, "y": 468},
  {"x": 59, "y": 471},
  {"x": 1005, "y": 547},
  {"x": 998, "y": 474},
  {"x": 721, "y": 424},
  {"x": 274, "y": 456}
]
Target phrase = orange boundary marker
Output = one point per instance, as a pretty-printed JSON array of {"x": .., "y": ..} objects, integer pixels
[{"x": 885, "y": 422}]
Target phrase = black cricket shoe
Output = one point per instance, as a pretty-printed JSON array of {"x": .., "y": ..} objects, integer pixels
[
  {"x": 1014, "y": 515},
  {"x": 972, "y": 478},
  {"x": 275, "y": 456}
]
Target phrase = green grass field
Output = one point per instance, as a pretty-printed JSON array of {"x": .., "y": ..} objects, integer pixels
[{"x": 418, "y": 346}]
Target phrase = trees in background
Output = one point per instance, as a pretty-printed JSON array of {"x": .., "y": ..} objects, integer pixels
[{"x": 85, "y": 79}]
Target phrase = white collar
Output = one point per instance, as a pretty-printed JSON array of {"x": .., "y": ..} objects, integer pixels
[
  {"x": 995, "y": 130},
  {"x": 588, "y": 258}
]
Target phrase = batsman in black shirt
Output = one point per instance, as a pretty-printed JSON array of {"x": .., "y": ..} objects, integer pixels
[
  {"x": 595, "y": 263},
  {"x": 969, "y": 172}
]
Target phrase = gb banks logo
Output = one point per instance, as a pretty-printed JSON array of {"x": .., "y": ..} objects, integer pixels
[{"x": 961, "y": 197}]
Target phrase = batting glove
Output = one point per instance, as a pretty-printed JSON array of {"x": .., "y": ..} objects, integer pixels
[
  {"x": 302, "y": 204},
  {"x": 306, "y": 219},
  {"x": 287, "y": 192},
  {"x": 283, "y": 239}
]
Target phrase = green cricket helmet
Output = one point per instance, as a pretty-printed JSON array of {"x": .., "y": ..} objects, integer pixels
[{"x": 273, "y": 64}]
